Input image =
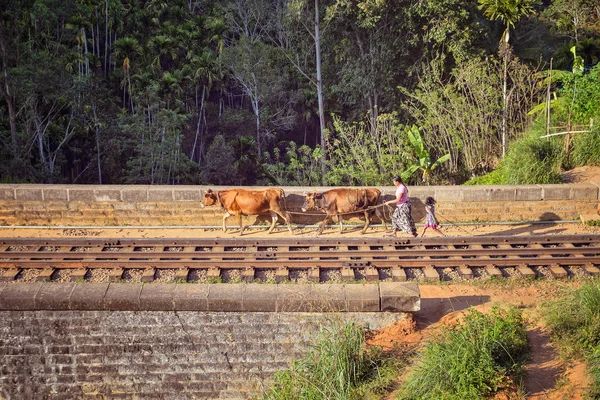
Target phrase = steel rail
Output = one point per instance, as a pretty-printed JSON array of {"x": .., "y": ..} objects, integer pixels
[
  {"x": 300, "y": 253},
  {"x": 290, "y": 241}
]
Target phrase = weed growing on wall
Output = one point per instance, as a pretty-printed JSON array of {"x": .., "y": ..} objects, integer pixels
[{"x": 471, "y": 360}]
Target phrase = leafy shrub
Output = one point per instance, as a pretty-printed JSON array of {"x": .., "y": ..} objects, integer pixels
[
  {"x": 472, "y": 359},
  {"x": 299, "y": 166},
  {"x": 496, "y": 177},
  {"x": 366, "y": 152}
]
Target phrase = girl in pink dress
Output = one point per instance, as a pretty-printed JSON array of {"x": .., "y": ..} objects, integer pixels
[{"x": 430, "y": 220}]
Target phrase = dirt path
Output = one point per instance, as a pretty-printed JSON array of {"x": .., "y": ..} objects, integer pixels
[
  {"x": 280, "y": 231},
  {"x": 546, "y": 376}
]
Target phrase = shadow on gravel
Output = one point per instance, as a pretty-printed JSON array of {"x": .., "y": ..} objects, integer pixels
[{"x": 433, "y": 310}]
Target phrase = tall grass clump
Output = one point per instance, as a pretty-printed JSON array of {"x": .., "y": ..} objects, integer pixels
[
  {"x": 586, "y": 148},
  {"x": 338, "y": 366},
  {"x": 472, "y": 359},
  {"x": 594, "y": 372},
  {"x": 534, "y": 161},
  {"x": 530, "y": 160},
  {"x": 574, "y": 319}
]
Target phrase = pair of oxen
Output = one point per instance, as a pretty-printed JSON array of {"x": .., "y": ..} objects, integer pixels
[{"x": 238, "y": 202}]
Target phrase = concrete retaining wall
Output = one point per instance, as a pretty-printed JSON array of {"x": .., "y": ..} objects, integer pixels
[
  {"x": 154, "y": 354},
  {"x": 108, "y": 205},
  {"x": 251, "y": 297},
  {"x": 172, "y": 341}
]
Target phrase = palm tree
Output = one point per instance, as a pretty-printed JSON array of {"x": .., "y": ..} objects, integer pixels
[
  {"x": 423, "y": 159},
  {"x": 509, "y": 12},
  {"x": 127, "y": 48}
]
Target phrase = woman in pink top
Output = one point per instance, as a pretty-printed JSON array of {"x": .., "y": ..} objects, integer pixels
[{"x": 401, "y": 218}]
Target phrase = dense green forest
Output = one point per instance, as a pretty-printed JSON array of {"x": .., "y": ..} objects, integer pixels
[{"x": 296, "y": 92}]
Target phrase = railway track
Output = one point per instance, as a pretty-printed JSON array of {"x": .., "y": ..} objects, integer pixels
[{"x": 313, "y": 259}]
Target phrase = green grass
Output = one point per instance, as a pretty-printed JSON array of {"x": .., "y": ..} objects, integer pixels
[
  {"x": 574, "y": 318},
  {"x": 529, "y": 160},
  {"x": 586, "y": 148},
  {"x": 471, "y": 360},
  {"x": 338, "y": 366},
  {"x": 496, "y": 177}
]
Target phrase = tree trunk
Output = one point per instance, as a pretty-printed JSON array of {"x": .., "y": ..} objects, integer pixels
[
  {"x": 504, "y": 105},
  {"x": 87, "y": 56},
  {"x": 106, "y": 39},
  {"x": 255, "y": 105},
  {"x": 548, "y": 102},
  {"x": 320, "y": 90},
  {"x": 97, "y": 132},
  {"x": 198, "y": 128},
  {"x": 7, "y": 94}
]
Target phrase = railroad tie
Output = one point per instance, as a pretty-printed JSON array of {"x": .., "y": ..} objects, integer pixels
[
  {"x": 430, "y": 273},
  {"x": 591, "y": 269},
  {"x": 465, "y": 272},
  {"x": 345, "y": 250},
  {"x": 347, "y": 274},
  {"x": 282, "y": 274},
  {"x": 10, "y": 274},
  {"x": 148, "y": 274},
  {"x": 78, "y": 274},
  {"x": 371, "y": 274},
  {"x": 576, "y": 255},
  {"x": 115, "y": 274},
  {"x": 181, "y": 275},
  {"x": 505, "y": 246},
  {"x": 45, "y": 275},
  {"x": 248, "y": 274},
  {"x": 558, "y": 272},
  {"x": 493, "y": 271},
  {"x": 525, "y": 271},
  {"x": 213, "y": 273},
  {"x": 398, "y": 274},
  {"x": 345, "y": 255}
]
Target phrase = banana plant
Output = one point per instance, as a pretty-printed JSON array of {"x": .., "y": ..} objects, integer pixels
[
  {"x": 423, "y": 159},
  {"x": 549, "y": 77}
]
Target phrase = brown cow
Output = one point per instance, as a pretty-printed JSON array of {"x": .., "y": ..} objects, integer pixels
[
  {"x": 343, "y": 201},
  {"x": 248, "y": 202}
]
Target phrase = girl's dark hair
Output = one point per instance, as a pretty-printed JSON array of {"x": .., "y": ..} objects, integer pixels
[
  {"x": 430, "y": 201},
  {"x": 397, "y": 179}
]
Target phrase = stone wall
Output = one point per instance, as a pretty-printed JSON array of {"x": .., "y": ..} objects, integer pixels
[
  {"x": 173, "y": 341},
  {"x": 111, "y": 205},
  {"x": 153, "y": 354}
]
